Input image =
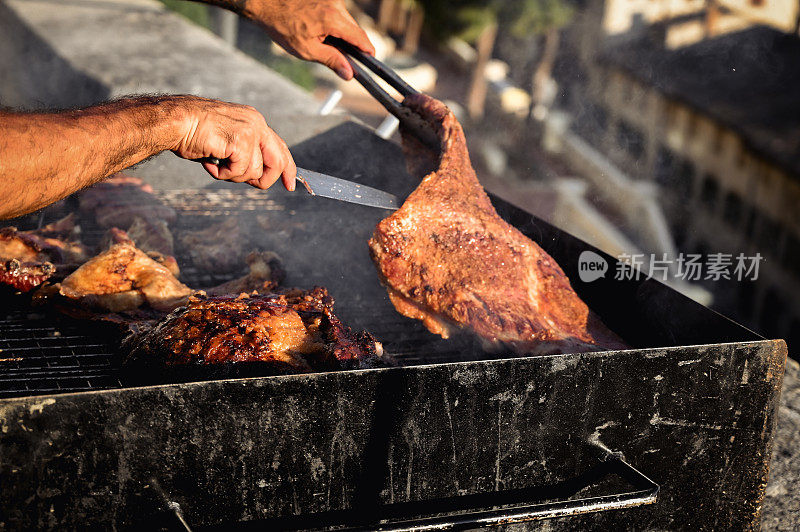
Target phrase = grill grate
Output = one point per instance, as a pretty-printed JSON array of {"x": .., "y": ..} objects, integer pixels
[
  {"x": 44, "y": 354},
  {"x": 321, "y": 242}
]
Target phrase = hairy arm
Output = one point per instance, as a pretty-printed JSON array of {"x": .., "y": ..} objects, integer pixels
[
  {"x": 300, "y": 26},
  {"x": 44, "y": 157}
]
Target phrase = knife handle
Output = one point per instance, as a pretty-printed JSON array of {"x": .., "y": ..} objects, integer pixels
[
  {"x": 224, "y": 162},
  {"x": 212, "y": 160}
]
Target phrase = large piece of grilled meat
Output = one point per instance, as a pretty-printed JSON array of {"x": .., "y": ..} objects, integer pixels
[
  {"x": 449, "y": 260},
  {"x": 294, "y": 332}
]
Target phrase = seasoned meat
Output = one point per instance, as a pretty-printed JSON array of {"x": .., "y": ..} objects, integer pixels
[
  {"x": 295, "y": 331},
  {"x": 24, "y": 276},
  {"x": 152, "y": 235},
  {"x": 21, "y": 246},
  {"x": 66, "y": 228},
  {"x": 32, "y": 246},
  {"x": 27, "y": 259},
  {"x": 120, "y": 199},
  {"x": 124, "y": 278},
  {"x": 449, "y": 260},
  {"x": 218, "y": 248},
  {"x": 265, "y": 275},
  {"x": 115, "y": 235}
]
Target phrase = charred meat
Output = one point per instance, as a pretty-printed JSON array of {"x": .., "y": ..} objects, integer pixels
[
  {"x": 62, "y": 251},
  {"x": 21, "y": 246},
  {"x": 219, "y": 248},
  {"x": 293, "y": 332},
  {"x": 449, "y": 260},
  {"x": 34, "y": 247},
  {"x": 265, "y": 275},
  {"x": 24, "y": 276},
  {"x": 27, "y": 259}
]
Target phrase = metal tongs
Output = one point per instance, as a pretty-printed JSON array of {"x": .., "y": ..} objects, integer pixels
[{"x": 411, "y": 121}]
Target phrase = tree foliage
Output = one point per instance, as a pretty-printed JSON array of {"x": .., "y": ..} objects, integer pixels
[
  {"x": 458, "y": 18},
  {"x": 195, "y": 12},
  {"x": 535, "y": 17},
  {"x": 467, "y": 18}
]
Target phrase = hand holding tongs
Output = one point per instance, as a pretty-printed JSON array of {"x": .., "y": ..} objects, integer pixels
[{"x": 410, "y": 120}]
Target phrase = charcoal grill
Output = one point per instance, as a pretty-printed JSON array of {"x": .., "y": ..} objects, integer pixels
[{"x": 452, "y": 438}]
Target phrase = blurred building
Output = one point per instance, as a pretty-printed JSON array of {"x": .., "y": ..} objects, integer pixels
[
  {"x": 693, "y": 20},
  {"x": 703, "y": 99}
]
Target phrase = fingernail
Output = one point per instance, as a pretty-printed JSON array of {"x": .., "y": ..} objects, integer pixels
[
  {"x": 344, "y": 73},
  {"x": 291, "y": 186}
]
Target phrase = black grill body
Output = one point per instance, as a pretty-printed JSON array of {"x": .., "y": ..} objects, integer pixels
[
  {"x": 454, "y": 437},
  {"x": 339, "y": 448}
]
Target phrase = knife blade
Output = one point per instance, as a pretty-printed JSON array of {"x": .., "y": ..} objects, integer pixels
[{"x": 327, "y": 186}]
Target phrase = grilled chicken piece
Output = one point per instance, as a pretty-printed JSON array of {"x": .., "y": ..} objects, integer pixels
[
  {"x": 266, "y": 274},
  {"x": 27, "y": 259},
  {"x": 218, "y": 248},
  {"x": 32, "y": 246},
  {"x": 115, "y": 235},
  {"x": 295, "y": 332},
  {"x": 449, "y": 260},
  {"x": 120, "y": 199},
  {"x": 124, "y": 278}
]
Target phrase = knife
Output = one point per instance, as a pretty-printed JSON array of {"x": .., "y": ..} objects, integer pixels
[{"x": 327, "y": 186}]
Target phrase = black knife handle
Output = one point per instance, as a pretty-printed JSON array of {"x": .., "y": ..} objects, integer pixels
[
  {"x": 212, "y": 160},
  {"x": 224, "y": 162}
]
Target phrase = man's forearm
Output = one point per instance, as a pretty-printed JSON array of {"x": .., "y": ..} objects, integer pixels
[{"x": 46, "y": 156}]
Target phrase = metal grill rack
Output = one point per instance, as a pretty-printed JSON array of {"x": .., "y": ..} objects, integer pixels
[
  {"x": 44, "y": 354},
  {"x": 48, "y": 353}
]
